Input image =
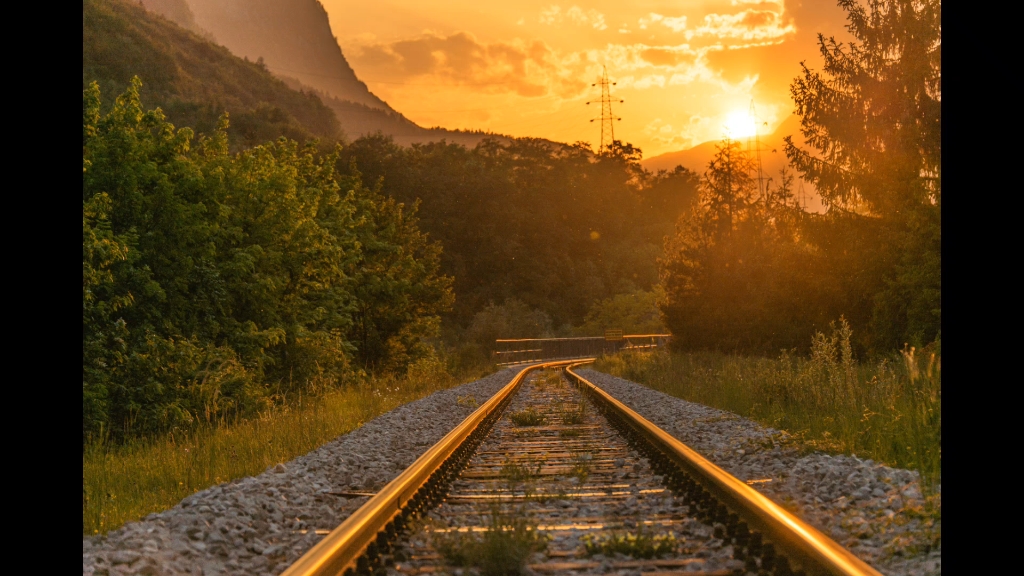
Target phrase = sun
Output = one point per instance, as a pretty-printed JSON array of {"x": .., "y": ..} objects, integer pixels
[{"x": 739, "y": 124}]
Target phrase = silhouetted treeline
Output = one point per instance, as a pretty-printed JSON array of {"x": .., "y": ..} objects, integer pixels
[
  {"x": 748, "y": 271},
  {"x": 554, "y": 226}
]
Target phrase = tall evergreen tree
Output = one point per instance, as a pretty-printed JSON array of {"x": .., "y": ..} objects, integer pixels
[{"x": 873, "y": 116}]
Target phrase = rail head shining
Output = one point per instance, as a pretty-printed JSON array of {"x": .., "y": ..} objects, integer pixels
[
  {"x": 340, "y": 549},
  {"x": 816, "y": 552}
]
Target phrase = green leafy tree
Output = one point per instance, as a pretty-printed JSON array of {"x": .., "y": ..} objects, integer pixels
[
  {"x": 398, "y": 286},
  {"x": 735, "y": 274},
  {"x": 873, "y": 118},
  {"x": 634, "y": 313},
  {"x": 215, "y": 283}
]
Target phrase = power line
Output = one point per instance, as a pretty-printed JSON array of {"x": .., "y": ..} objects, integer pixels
[
  {"x": 757, "y": 148},
  {"x": 607, "y": 118}
]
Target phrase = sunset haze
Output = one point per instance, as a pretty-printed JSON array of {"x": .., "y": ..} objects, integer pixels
[{"x": 687, "y": 71}]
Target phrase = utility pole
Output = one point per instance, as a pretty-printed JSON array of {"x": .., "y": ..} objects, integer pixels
[
  {"x": 757, "y": 148},
  {"x": 607, "y": 119},
  {"x": 801, "y": 195}
]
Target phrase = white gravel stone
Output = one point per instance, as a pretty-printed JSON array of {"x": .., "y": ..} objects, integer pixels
[{"x": 865, "y": 506}]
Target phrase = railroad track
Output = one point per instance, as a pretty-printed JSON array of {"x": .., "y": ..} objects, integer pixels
[{"x": 554, "y": 474}]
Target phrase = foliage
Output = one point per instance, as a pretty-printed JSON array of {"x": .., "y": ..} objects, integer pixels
[
  {"x": 527, "y": 417},
  {"x": 513, "y": 319},
  {"x": 634, "y": 313},
  {"x": 748, "y": 271},
  {"x": 736, "y": 271},
  {"x": 637, "y": 545},
  {"x": 873, "y": 115},
  {"x": 889, "y": 411},
  {"x": 553, "y": 226},
  {"x": 215, "y": 283},
  {"x": 125, "y": 482},
  {"x": 502, "y": 550},
  {"x": 571, "y": 413}
]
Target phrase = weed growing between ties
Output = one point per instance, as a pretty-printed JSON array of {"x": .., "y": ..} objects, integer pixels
[
  {"x": 572, "y": 413},
  {"x": 889, "y": 411},
  {"x": 527, "y": 417},
  {"x": 635, "y": 545},
  {"x": 502, "y": 550},
  {"x": 125, "y": 483},
  {"x": 520, "y": 473},
  {"x": 580, "y": 467}
]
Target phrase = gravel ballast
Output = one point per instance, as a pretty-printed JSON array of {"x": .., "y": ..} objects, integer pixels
[
  {"x": 261, "y": 524},
  {"x": 254, "y": 525},
  {"x": 873, "y": 510}
]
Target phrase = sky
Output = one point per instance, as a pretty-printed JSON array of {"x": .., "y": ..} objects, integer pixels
[{"x": 687, "y": 71}]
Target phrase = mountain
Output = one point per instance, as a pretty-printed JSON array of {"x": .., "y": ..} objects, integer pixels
[
  {"x": 773, "y": 157},
  {"x": 193, "y": 80},
  {"x": 293, "y": 39}
]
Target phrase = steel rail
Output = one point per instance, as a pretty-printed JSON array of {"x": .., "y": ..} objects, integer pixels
[
  {"x": 624, "y": 336},
  {"x": 804, "y": 545},
  {"x": 340, "y": 550}
]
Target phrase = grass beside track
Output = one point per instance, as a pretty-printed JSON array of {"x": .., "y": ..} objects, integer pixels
[
  {"x": 889, "y": 412},
  {"x": 125, "y": 483}
]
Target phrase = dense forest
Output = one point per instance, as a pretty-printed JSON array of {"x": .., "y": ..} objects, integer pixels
[{"x": 256, "y": 254}]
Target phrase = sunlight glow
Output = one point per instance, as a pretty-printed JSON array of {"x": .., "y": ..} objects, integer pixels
[{"x": 739, "y": 124}]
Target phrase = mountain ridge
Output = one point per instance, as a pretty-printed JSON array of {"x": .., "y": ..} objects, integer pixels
[{"x": 294, "y": 42}]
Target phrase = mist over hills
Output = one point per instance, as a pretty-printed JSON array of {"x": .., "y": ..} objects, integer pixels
[
  {"x": 293, "y": 40},
  {"x": 193, "y": 80}
]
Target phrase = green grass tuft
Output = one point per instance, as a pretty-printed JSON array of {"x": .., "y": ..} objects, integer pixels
[
  {"x": 503, "y": 550},
  {"x": 572, "y": 414},
  {"x": 527, "y": 417},
  {"x": 126, "y": 483},
  {"x": 888, "y": 411},
  {"x": 636, "y": 545}
]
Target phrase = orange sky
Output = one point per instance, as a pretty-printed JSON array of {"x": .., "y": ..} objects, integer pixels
[{"x": 685, "y": 69}]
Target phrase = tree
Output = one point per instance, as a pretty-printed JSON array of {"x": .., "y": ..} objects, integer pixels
[
  {"x": 735, "y": 272},
  {"x": 399, "y": 289},
  {"x": 873, "y": 115},
  {"x": 214, "y": 282}
]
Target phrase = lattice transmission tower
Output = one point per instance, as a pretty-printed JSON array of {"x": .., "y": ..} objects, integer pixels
[
  {"x": 607, "y": 118},
  {"x": 756, "y": 149}
]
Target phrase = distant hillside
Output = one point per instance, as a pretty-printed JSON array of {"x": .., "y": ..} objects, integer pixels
[
  {"x": 359, "y": 120},
  {"x": 773, "y": 157},
  {"x": 193, "y": 80},
  {"x": 294, "y": 39},
  {"x": 176, "y": 11}
]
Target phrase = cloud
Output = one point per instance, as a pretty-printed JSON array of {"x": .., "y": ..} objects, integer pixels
[
  {"x": 762, "y": 4},
  {"x": 668, "y": 56},
  {"x": 554, "y": 15},
  {"x": 762, "y": 22},
  {"x": 746, "y": 25},
  {"x": 460, "y": 59},
  {"x": 533, "y": 69},
  {"x": 676, "y": 23}
]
